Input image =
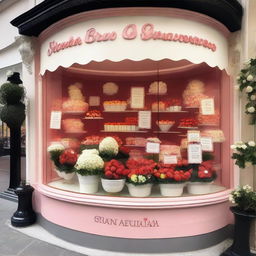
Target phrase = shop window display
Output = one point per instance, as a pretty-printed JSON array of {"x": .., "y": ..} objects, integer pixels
[{"x": 141, "y": 129}]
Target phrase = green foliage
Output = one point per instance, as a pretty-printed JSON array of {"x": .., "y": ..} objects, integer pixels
[
  {"x": 244, "y": 198},
  {"x": 11, "y": 93},
  {"x": 13, "y": 115}
]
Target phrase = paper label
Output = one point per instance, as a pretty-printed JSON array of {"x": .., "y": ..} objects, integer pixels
[
  {"x": 94, "y": 101},
  {"x": 137, "y": 97},
  {"x": 144, "y": 119},
  {"x": 194, "y": 153},
  {"x": 207, "y": 106},
  {"x": 153, "y": 147},
  {"x": 170, "y": 159},
  {"x": 193, "y": 136},
  {"x": 55, "y": 122},
  {"x": 206, "y": 143}
]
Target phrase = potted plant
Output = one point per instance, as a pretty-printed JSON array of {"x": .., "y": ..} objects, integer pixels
[
  {"x": 170, "y": 180},
  {"x": 244, "y": 153},
  {"x": 64, "y": 160},
  {"x": 89, "y": 167},
  {"x": 202, "y": 176},
  {"x": 244, "y": 210},
  {"x": 139, "y": 179},
  {"x": 113, "y": 179}
]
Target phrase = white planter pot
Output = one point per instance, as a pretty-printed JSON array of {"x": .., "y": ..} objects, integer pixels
[
  {"x": 139, "y": 190},
  {"x": 65, "y": 176},
  {"x": 172, "y": 189},
  {"x": 89, "y": 183},
  {"x": 112, "y": 186},
  {"x": 199, "y": 188}
]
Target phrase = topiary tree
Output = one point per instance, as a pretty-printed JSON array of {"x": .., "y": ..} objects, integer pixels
[{"x": 12, "y": 95}]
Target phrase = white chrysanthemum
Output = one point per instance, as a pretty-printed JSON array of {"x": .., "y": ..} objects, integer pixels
[
  {"x": 251, "y": 109},
  {"x": 237, "y": 194},
  {"x": 110, "y": 88},
  {"x": 141, "y": 179},
  {"x": 9, "y": 73},
  {"x": 251, "y": 143},
  {"x": 231, "y": 199},
  {"x": 108, "y": 146},
  {"x": 233, "y": 146},
  {"x": 243, "y": 146},
  {"x": 247, "y": 188},
  {"x": 248, "y": 89},
  {"x": 55, "y": 147},
  {"x": 253, "y": 97},
  {"x": 249, "y": 78},
  {"x": 89, "y": 162},
  {"x": 244, "y": 81},
  {"x": 90, "y": 151}
]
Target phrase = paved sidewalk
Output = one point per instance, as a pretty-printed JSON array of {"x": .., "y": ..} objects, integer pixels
[{"x": 15, "y": 243}]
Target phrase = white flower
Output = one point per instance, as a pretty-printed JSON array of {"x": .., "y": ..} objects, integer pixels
[
  {"x": 141, "y": 179},
  {"x": 90, "y": 151},
  {"x": 247, "y": 188},
  {"x": 249, "y": 78},
  {"x": 89, "y": 162},
  {"x": 231, "y": 199},
  {"x": 108, "y": 146},
  {"x": 233, "y": 146},
  {"x": 248, "y": 89},
  {"x": 243, "y": 146},
  {"x": 9, "y": 73},
  {"x": 251, "y": 109},
  {"x": 248, "y": 164},
  {"x": 251, "y": 143},
  {"x": 253, "y": 97},
  {"x": 244, "y": 81},
  {"x": 55, "y": 147}
]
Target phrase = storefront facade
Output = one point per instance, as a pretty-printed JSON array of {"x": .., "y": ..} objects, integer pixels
[{"x": 127, "y": 72}]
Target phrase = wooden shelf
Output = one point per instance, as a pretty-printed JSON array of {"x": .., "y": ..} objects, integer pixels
[
  {"x": 166, "y": 132},
  {"x": 93, "y": 118},
  {"x": 126, "y": 131}
]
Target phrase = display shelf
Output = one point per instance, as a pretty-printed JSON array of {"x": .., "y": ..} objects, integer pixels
[
  {"x": 166, "y": 132},
  {"x": 91, "y": 118},
  {"x": 191, "y": 128},
  {"x": 70, "y": 132},
  {"x": 214, "y": 125},
  {"x": 126, "y": 131},
  {"x": 136, "y": 146},
  {"x": 166, "y": 111},
  {"x": 125, "y": 111},
  {"x": 74, "y": 112}
]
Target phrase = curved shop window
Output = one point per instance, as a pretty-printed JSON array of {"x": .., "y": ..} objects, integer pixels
[{"x": 156, "y": 89}]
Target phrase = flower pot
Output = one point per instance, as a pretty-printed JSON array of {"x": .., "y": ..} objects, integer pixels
[
  {"x": 88, "y": 183},
  {"x": 172, "y": 189},
  {"x": 199, "y": 188},
  {"x": 139, "y": 190},
  {"x": 241, "y": 244},
  {"x": 66, "y": 176},
  {"x": 112, "y": 186}
]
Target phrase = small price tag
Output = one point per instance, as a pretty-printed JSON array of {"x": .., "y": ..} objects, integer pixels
[
  {"x": 153, "y": 147},
  {"x": 193, "y": 136},
  {"x": 206, "y": 143},
  {"x": 144, "y": 119},
  {"x": 170, "y": 159},
  {"x": 207, "y": 106},
  {"x": 194, "y": 153},
  {"x": 94, "y": 101},
  {"x": 55, "y": 122}
]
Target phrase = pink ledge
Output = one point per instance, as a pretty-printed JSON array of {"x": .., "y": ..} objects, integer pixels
[{"x": 137, "y": 218}]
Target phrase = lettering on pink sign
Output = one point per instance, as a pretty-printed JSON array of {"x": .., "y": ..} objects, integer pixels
[
  {"x": 56, "y": 47},
  {"x": 92, "y": 36},
  {"x": 140, "y": 223},
  {"x": 130, "y": 32}
]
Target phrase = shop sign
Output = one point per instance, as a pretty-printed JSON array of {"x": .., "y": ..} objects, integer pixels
[
  {"x": 134, "y": 223},
  {"x": 134, "y": 38},
  {"x": 130, "y": 32}
]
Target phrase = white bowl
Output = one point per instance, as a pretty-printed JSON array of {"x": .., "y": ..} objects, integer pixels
[{"x": 165, "y": 127}]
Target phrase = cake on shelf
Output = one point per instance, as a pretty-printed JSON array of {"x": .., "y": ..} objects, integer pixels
[
  {"x": 73, "y": 125},
  {"x": 158, "y": 87},
  {"x": 110, "y": 88},
  {"x": 115, "y": 105}
]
